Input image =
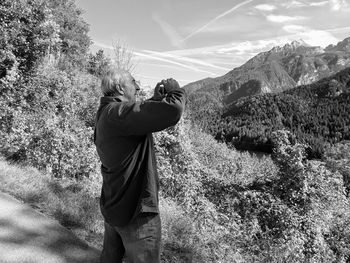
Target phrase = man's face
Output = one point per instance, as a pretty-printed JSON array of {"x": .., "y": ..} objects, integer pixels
[{"x": 131, "y": 88}]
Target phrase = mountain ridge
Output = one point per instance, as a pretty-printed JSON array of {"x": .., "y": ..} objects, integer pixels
[{"x": 277, "y": 70}]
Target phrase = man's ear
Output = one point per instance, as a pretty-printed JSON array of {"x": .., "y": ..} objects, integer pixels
[{"x": 119, "y": 89}]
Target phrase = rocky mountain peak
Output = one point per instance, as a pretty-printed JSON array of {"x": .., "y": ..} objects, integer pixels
[
  {"x": 341, "y": 46},
  {"x": 290, "y": 47},
  {"x": 296, "y": 43}
]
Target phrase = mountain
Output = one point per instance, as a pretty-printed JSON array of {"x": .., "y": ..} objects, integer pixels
[
  {"x": 341, "y": 46},
  {"x": 276, "y": 70},
  {"x": 317, "y": 113}
]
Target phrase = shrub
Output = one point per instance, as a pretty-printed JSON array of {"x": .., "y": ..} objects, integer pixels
[{"x": 51, "y": 128}]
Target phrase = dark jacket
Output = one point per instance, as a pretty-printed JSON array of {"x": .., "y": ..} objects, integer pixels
[{"x": 124, "y": 143}]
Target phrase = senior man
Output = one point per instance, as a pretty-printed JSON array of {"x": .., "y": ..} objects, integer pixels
[{"x": 123, "y": 139}]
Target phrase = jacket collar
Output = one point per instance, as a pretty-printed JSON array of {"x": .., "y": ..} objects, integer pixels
[{"x": 109, "y": 99}]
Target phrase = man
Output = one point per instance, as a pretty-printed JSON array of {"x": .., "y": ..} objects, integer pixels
[{"x": 123, "y": 138}]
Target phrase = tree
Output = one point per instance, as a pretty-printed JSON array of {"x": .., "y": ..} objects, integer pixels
[
  {"x": 123, "y": 56},
  {"x": 75, "y": 42},
  {"x": 28, "y": 32},
  {"x": 98, "y": 63}
]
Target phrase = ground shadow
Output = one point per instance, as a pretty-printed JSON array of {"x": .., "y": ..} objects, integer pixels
[{"x": 28, "y": 236}]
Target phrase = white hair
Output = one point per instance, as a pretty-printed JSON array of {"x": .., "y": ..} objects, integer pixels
[{"x": 111, "y": 79}]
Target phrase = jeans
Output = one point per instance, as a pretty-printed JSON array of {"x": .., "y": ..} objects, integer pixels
[{"x": 137, "y": 242}]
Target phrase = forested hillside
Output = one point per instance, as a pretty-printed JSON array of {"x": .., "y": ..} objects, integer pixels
[{"x": 317, "y": 114}]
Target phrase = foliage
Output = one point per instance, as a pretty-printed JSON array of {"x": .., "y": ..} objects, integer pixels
[
  {"x": 51, "y": 125},
  {"x": 75, "y": 42},
  {"x": 98, "y": 63},
  {"x": 246, "y": 209},
  {"x": 338, "y": 159},
  {"x": 31, "y": 30},
  {"x": 47, "y": 106},
  {"x": 27, "y": 32},
  {"x": 196, "y": 177}
]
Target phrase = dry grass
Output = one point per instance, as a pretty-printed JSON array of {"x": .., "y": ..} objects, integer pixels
[{"x": 71, "y": 203}]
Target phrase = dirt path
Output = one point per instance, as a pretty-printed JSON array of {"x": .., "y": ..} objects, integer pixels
[{"x": 27, "y": 236}]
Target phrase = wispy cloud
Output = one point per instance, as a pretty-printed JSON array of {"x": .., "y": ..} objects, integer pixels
[
  {"x": 183, "y": 65},
  {"x": 248, "y": 46},
  {"x": 339, "y": 29},
  {"x": 266, "y": 7},
  {"x": 282, "y": 18},
  {"x": 311, "y": 36},
  {"x": 338, "y": 5},
  {"x": 184, "y": 59},
  {"x": 294, "y": 4},
  {"x": 155, "y": 78},
  {"x": 298, "y": 4},
  {"x": 216, "y": 18},
  {"x": 294, "y": 29},
  {"x": 168, "y": 30},
  {"x": 322, "y": 3}
]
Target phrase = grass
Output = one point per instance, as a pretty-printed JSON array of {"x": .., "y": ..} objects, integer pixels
[{"x": 72, "y": 203}]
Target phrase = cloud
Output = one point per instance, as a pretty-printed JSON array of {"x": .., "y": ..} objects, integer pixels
[
  {"x": 246, "y": 49},
  {"x": 232, "y": 54},
  {"x": 318, "y": 38},
  {"x": 265, "y": 7},
  {"x": 184, "y": 59},
  {"x": 298, "y": 4},
  {"x": 251, "y": 48},
  {"x": 322, "y": 3},
  {"x": 294, "y": 29},
  {"x": 311, "y": 36},
  {"x": 182, "y": 65},
  {"x": 294, "y": 4},
  {"x": 338, "y": 5},
  {"x": 168, "y": 30},
  {"x": 282, "y": 18},
  {"x": 339, "y": 29},
  {"x": 216, "y": 18},
  {"x": 155, "y": 78}
]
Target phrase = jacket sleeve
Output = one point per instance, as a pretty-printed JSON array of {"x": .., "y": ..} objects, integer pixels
[{"x": 139, "y": 118}]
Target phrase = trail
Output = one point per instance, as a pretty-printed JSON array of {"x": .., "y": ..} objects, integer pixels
[{"x": 27, "y": 236}]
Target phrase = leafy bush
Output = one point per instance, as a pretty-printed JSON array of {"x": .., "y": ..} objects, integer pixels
[
  {"x": 51, "y": 128},
  {"x": 245, "y": 208},
  {"x": 202, "y": 177}
]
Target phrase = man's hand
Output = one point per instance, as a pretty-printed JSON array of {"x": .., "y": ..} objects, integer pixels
[
  {"x": 164, "y": 87},
  {"x": 170, "y": 84},
  {"x": 159, "y": 92}
]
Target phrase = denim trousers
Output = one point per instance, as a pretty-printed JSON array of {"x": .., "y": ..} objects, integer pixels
[{"x": 137, "y": 242}]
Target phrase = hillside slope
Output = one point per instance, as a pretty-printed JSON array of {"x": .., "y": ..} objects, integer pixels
[{"x": 317, "y": 113}]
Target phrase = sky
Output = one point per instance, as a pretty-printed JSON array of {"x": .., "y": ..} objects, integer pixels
[{"x": 194, "y": 39}]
